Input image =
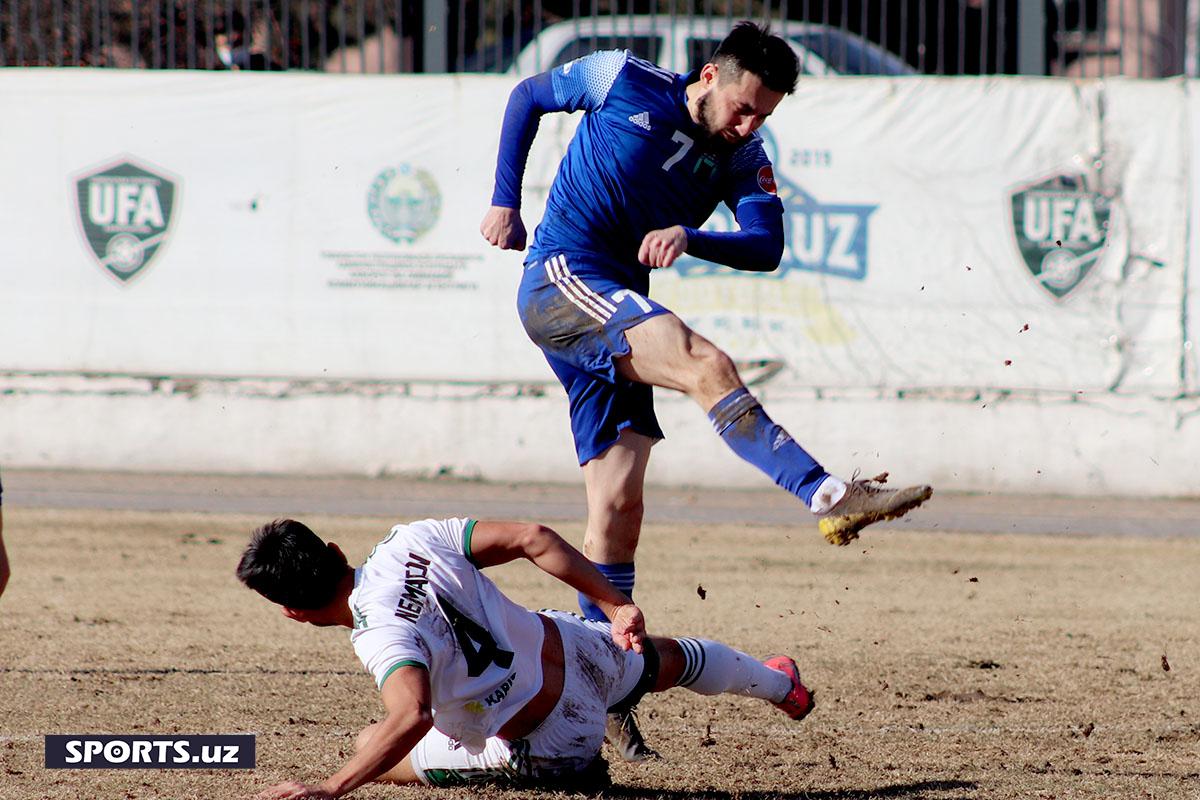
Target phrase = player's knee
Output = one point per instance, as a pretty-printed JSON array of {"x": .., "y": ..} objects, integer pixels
[
  {"x": 626, "y": 506},
  {"x": 618, "y": 515},
  {"x": 364, "y": 736},
  {"x": 715, "y": 372}
]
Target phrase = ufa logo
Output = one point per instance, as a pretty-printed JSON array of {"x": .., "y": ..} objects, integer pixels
[
  {"x": 124, "y": 213},
  {"x": 1061, "y": 230}
]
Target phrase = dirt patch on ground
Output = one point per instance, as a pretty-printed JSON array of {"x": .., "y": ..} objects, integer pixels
[{"x": 946, "y": 665}]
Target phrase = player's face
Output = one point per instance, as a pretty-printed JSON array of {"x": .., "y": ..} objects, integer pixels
[{"x": 732, "y": 108}]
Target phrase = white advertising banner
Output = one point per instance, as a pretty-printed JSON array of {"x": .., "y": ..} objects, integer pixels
[
  {"x": 236, "y": 225},
  {"x": 1191, "y": 345},
  {"x": 942, "y": 234},
  {"x": 972, "y": 234}
]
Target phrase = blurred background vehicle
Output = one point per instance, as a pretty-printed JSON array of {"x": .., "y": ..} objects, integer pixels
[
  {"x": 685, "y": 43},
  {"x": 1071, "y": 38}
]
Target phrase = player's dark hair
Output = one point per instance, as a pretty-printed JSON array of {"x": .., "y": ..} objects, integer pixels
[
  {"x": 755, "y": 49},
  {"x": 288, "y": 564}
]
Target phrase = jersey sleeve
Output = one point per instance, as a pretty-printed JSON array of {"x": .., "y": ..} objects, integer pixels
[
  {"x": 453, "y": 535},
  {"x": 751, "y": 177},
  {"x": 756, "y": 246},
  {"x": 385, "y": 647},
  {"x": 583, "y": 84}
]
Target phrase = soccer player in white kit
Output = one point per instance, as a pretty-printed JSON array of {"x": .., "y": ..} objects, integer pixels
[{"x": 478, "y": 688}]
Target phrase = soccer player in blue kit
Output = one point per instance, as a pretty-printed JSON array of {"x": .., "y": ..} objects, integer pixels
[{"x": 654, "y": 154}]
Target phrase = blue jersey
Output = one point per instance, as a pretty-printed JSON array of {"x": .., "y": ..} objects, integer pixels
[{"x": 638, "y": 163}]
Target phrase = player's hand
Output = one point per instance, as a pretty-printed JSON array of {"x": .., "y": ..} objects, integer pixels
[
  {"x": 661, "y": 248},
  {"x": 503, "y": 228},
  {"x": 293, "y": 790},
  {"x": 628, "y": 627}
]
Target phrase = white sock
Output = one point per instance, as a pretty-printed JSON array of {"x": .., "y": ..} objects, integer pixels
[
  {"x": 714, "y": 668},
  {"x": 831, "y": 490}
]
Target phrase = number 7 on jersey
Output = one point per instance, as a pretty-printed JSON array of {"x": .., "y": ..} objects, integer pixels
[{"x": 685, "y": 144}]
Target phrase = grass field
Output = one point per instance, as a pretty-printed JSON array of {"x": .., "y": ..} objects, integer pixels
[{"x": 946, "y": 665}]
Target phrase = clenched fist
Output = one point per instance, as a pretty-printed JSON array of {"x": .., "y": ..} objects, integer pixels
[
  {"x": 660, "y": 248},
  {"x": 503, "y": 228}
]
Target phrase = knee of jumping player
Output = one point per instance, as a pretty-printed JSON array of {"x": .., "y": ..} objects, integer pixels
[
  {"x": 615, "y": 496},
  {"x": 626, "y": 505},
  {"x": 617, "y": 517},
  {"x": 714, "y": 374},
  {"x": 613, "y": 531}
]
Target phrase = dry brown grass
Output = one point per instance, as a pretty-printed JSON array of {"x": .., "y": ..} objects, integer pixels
[{"x": 946, "y": 665}]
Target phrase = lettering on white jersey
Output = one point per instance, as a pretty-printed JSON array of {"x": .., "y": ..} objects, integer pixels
[
  {"x": 416, "y": 576},
  {"x": 501, "y": 690}
]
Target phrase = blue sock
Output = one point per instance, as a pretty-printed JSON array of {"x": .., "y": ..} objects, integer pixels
[
  {"x": 620, "y": 576},
  {"x": 741, "y": 422}
]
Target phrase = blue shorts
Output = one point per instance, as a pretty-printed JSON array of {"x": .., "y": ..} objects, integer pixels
[{"x": 578, "y": 317}]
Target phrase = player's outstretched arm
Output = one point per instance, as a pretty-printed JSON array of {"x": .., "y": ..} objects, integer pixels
[
  {"x": 406, "y": 695},
  {"x": 500, "y": 542}
]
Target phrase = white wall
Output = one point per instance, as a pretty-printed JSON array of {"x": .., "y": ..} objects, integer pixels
[{"x": 1021, "y": 442}]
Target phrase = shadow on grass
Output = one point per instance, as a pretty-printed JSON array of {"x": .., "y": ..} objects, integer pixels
[{"x": 900, "y": 791}]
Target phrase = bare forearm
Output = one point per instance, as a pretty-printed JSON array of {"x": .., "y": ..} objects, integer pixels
[
  {"x": 553, "y": 555},
  {"x": 394, "y": 739}
]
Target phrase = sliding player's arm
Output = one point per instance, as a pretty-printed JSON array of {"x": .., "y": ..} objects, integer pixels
[
  {"x": 500, "y": 542},
  {"x": 406, "y": 695}
]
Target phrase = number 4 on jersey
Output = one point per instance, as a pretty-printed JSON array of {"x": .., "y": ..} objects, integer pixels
[{"x": 478, "y": 646}]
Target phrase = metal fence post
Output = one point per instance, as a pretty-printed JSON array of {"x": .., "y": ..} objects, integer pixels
[
  {"x": 435, "y": 35},
  {"x": 1031, "y": 37}
]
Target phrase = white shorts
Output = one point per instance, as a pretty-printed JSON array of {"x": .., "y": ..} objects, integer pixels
[{"x": 598, "y": 675}]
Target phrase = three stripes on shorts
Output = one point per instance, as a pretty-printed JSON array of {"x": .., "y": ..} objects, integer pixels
[{"x": 585, "y": 298}]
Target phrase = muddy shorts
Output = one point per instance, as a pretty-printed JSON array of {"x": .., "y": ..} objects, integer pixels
[
  {"x": 578, "y": 317},
  {"x": 598, "y": 675}
]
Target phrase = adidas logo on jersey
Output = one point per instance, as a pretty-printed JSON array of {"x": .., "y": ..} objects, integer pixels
[{"x": 642, "y": 120}]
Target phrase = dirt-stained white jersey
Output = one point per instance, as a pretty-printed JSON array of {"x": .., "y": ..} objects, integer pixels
[{"x": 419, "y": 599}]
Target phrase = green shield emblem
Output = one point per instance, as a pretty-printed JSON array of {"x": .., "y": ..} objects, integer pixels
[
  {"x": 1061, "y": 229},
  {"x": 124, "y": 211}
]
